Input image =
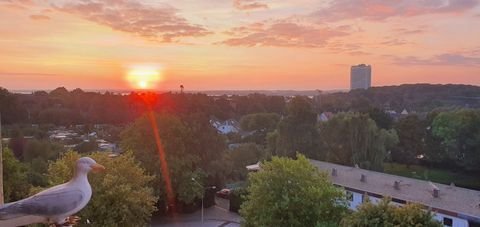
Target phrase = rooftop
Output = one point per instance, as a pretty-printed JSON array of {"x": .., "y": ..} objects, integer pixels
[{"x": 450, "y": 197}]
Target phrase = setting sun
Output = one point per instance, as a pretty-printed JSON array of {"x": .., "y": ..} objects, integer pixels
[{"x": 144, "y": 77}]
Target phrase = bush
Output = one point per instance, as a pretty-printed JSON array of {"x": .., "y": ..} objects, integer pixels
[{"x": 237, "y": 197}]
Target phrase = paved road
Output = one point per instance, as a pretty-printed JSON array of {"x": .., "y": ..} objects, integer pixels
[{"x": 216, "y": 216}]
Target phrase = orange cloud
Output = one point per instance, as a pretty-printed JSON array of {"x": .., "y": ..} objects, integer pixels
[
  {"x": 445, "y": 59},
  {"x": 160, "y": 23},
  {"x": 381, "y": 9},
  {"x": 249, "y": 5},
  {"x": 17, "y": 4},
  {"x": 283, "y": 34},
  {"x": 39, "y": 17}
]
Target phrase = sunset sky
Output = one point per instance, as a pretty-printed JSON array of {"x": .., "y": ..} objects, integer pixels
[{"x": 237, "y": 44}]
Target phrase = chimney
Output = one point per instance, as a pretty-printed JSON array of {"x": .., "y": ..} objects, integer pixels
[
  {"x": 363, "y": 178},
  {"x": 436, "y": 191},
  {"x": 396, "y": 185},
  {"x": 334, "y": 172}
]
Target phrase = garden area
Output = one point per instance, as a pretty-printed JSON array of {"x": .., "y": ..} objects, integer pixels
[{"x": 460, "y": 178}]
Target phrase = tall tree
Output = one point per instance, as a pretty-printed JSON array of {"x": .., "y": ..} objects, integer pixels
[
  {"x": 10, "y": 108},
  {"x": 259, "y": 124},
  {"x": 435, "y": 152},
  {"x": 297, "y": 132},
  {"x": 37, "y": 154},
  {"x": 192, "y": 150},
  {"x": 289, "y": 192},
  {"x": 411, "y": 134},
  {"x": 354, "y": 139},
  {"x": 260, "y": 121},
  {"x": 245, "y": 154},
  {"x": 460, "y": 132},
  {"x": 382, "y": 119},
  {"x": 15, "y": 183}
]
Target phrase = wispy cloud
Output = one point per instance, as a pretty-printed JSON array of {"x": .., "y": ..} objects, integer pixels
[
  {"x": 16, "y": 4},
  {"x": 340, "y": 46},
  {"x": 410, "y": 31},
  {"x": 392, "y": 41},
  {"x": 23, "y": 2},
  {"x": 283, "y": 34},
  {"x": 158, "y": 22},
  {"x": 26, "y": 74},
  {"x": 383, "y": 9},
  {"x": 39, "y": 17},
  {"x": 447, "y": 59},
  {"x": 249, "y": 5}
]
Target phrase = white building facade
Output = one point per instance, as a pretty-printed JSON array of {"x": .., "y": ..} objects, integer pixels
[{"x": 360, "y": 77}]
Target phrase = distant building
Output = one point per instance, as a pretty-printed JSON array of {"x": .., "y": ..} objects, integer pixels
[
  {"x": 452, "y": 206},
  {"x": 360, "y": 77},
  {"x": 325, "y": 116},
  {"x": 225, "y": 127},
  {"x": 254, "y": 168}
]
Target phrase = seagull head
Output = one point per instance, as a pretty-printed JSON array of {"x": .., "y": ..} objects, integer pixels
[{"x": 87, "y": 164}]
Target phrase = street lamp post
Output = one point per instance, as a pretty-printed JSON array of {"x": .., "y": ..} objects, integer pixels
[{"x": 203, "y": 194}]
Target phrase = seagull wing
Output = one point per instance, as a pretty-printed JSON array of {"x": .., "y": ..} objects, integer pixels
[{"x": 47, "y": 203}]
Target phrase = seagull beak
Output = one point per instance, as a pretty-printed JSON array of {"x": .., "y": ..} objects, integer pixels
[{"x": 98, "y": 168}]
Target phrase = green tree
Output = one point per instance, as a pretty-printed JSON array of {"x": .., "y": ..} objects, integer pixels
[
  {"x": 121, "y": 195},
  {"x": 191, "y": 149},
  {"x": 385, "y": 214},
  {"x": 460, "y": 134},
  {"x": 245, "y": 154},
  {"x": 289, "y": 192},
  {"x": 36, "y": 155},
  {"x": 204, "y": 141},
  {"x": 260, "y": 121},
  {"x": 435, "y": 153},
  {"x": 297, "y": 131},
  {"x": 382, "y": 119},
  {"x": 17, "y": 142},
  {"x": 354, "y": 139},
  {"x": 87, "y": 147},
  {"x": 411, "y": 134},
  {"x": 10, "y": 108},
  {"x": 15, "y": 184},
  {"x": 259, "y": 124}
]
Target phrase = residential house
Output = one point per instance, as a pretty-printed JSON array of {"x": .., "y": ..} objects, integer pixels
[{"x": 452, "y": 206}]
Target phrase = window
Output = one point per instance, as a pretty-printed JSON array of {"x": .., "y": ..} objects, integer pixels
[
  {"x": 349, "y": 196},
  {"x": 447, "y": 222}
]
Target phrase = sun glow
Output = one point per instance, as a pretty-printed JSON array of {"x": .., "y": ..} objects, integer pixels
[{"x": 144, "y": 77}]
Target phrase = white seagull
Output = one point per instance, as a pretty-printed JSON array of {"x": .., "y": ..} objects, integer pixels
[{"x": 55, "y": 205}]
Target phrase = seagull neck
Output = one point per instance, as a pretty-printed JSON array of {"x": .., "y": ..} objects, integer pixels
[{"x": 80, "y": 176}]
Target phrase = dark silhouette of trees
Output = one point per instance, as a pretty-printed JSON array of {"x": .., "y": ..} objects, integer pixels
[{"x": 297, "y": 132}]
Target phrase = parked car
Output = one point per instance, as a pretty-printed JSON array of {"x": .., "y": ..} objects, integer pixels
[{"x": 224, "y": 193}]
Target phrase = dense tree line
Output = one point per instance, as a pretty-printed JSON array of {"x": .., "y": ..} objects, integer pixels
[
  {"x": 63, "y": 107},
  {"x": 448, "y": 139},
  {"x": 416, "y": 97}
]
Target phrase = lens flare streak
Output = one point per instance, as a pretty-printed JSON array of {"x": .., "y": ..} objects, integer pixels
[{"x": 163, "y": 160}]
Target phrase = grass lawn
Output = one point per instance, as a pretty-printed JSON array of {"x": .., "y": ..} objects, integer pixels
[{"x": 435, "y": 175}]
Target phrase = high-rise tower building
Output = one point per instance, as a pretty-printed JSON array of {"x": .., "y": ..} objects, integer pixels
[{"x": 360, "y": 77}]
